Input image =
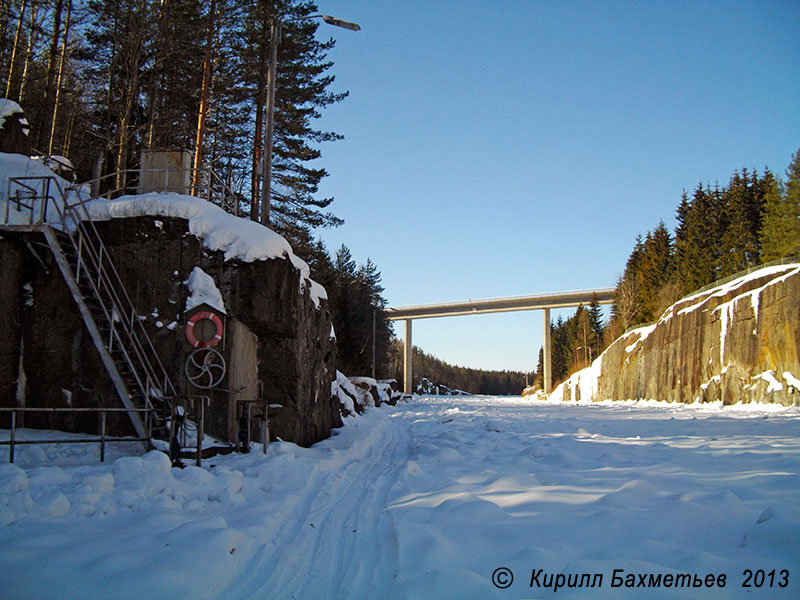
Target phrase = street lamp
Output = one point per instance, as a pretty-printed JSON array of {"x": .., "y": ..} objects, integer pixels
[{"x": 274, "y": 40}]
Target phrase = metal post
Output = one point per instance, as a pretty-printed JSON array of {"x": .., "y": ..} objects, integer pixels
[
  {"x": 199, "y": 459},
  {"x": 265, "y": 428},
  {"x": 374, "y": 310},
  {"x": 408, "y": 359},
  {"x": 13, "y": 436},
  {"x": 546, "y": 364},
  {"x": 103, "y": 436},
  {"x": 274, "y": 39}
]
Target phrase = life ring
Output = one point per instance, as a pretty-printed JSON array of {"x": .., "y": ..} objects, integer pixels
[{"x": 201, "y": 316}]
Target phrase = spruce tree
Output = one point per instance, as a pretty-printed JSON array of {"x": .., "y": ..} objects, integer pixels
[
  {"x": 701, "y": 245},
  {"x": 302, "y": 90},
  {"x": 780, "y": 235},
  {"x": 597, "y": 325}
]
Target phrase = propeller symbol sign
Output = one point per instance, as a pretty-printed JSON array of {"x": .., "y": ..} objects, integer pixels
[{"x": 205, "y": 368}]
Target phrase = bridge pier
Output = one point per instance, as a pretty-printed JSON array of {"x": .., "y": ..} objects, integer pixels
[
  {"x": 408, "y": 354},
  {"x": 547, "y": 378},
  {"x": 474, "y": 307}
]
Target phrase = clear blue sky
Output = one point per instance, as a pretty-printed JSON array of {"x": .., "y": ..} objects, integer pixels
[{"x": 501, "y": 148}]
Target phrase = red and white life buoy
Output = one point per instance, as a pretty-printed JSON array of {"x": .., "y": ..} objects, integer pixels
[{"x": 201, "y": 316}]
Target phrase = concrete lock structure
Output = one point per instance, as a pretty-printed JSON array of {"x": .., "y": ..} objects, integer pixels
[{"x": 543, "y": 302}]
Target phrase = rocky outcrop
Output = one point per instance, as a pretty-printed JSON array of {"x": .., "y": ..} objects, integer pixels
[
  {"x": 738, "y": 342},
  {"x": 278, "y": 344},
  {"x": 356, "y": 394},
  {"x": 14, "y": 128}
]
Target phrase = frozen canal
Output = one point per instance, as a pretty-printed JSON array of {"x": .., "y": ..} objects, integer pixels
[{"x": 436, "y": 498}]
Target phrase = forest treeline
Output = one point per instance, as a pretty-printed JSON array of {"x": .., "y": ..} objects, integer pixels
[
  {"x": 102, "y": 81},
  {"x": 474, "y": 381},
  {"x": 721, "y": 230},
  {"x": 356, "y": 303}
]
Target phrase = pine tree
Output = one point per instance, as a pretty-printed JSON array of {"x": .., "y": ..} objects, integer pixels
[
  {"x": 700, "y": 248},
  {"x": 121, "y": 44},
  {"x": 561, "y": 351},
  {"x": 172, "y": 83},
  {"x": 301, "y": 92}
]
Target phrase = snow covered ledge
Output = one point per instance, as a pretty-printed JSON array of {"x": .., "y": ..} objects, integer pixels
[{"x": 238, "y": 238}]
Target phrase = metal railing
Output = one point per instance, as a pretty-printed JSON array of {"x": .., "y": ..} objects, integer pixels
[
  {"x": 773, "y": 263},
  {"x": 28, "y": 197},
  {"x": 94, "y": 266},
  {"x": 202, "y": 183},
  {"x": 102, "y": 439}
]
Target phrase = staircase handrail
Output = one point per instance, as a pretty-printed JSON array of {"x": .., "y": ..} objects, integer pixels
[
  {"x": 76, "y": 217},
  {"x": 115, "y": 290}
]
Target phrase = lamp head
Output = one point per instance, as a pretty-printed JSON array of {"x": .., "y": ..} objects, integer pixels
[{"x": 340, "y": 23}]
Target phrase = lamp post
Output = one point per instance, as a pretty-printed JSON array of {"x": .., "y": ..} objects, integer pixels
[{"x": 274, "y": 40}]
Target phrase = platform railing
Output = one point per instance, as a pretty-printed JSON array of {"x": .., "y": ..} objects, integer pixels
[{"x": 102, "y": 439}]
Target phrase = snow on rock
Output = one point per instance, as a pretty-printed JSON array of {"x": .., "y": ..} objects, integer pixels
[
  {"x": 8, "y": 108},
  {"x": 355, "y": 394},
  {"x": 773, "y": 384},
  {"x": 581, "y": 385},
  {"x": 641, "y": 334},
  {"x": 728, "y": 343},
  {"x": 792, "y": 381},
  {"x": 350, "y": 397},
  {"x": 203, "y": 289},
  {"x": 239, "y": 239}
]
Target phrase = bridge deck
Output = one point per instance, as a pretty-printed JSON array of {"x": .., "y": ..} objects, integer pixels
[
  {"x": 495, "y": 305},
  {"x": 542, "y": 302}
]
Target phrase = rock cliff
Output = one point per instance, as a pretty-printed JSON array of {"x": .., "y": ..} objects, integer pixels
[
  {"x": 278, "y": 345},
  {"x": 738, "y": 342}
]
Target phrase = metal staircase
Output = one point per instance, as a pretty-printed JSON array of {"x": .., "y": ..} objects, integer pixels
[{"x": 139, "y": 377}]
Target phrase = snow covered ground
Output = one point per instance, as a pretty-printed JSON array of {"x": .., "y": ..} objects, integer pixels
[{"x": 429, "y": 499}]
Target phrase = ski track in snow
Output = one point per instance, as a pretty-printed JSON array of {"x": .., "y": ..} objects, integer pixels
[
  {"x": 327, "y": 549},
  {"x": 423, "y": 500}
]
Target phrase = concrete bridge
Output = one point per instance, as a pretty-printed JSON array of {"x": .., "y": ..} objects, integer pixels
[{"x": 543, "y": 302}]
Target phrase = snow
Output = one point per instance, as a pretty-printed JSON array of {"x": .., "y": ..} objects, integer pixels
[
  {"x": 238, "y": 238},
  {"x": 769, "y": 377},
  {"x": 346, "y": 392},
  {"x": 8, "y": 108},
  {"x": 423, "y": 500},
  {"x": 642, "y": 333},
  {"x": 55, "y": 162},
  {"x": 791, "y": 380},
  {"x": 203, "y": 289},
  {"x": 585, "y": 381},
  {"x": 726, "y": 309},
  {"x": 722, "y": 290}
]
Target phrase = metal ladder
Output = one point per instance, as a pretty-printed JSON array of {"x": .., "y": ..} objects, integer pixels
[{"x": 128, "y": 354}]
